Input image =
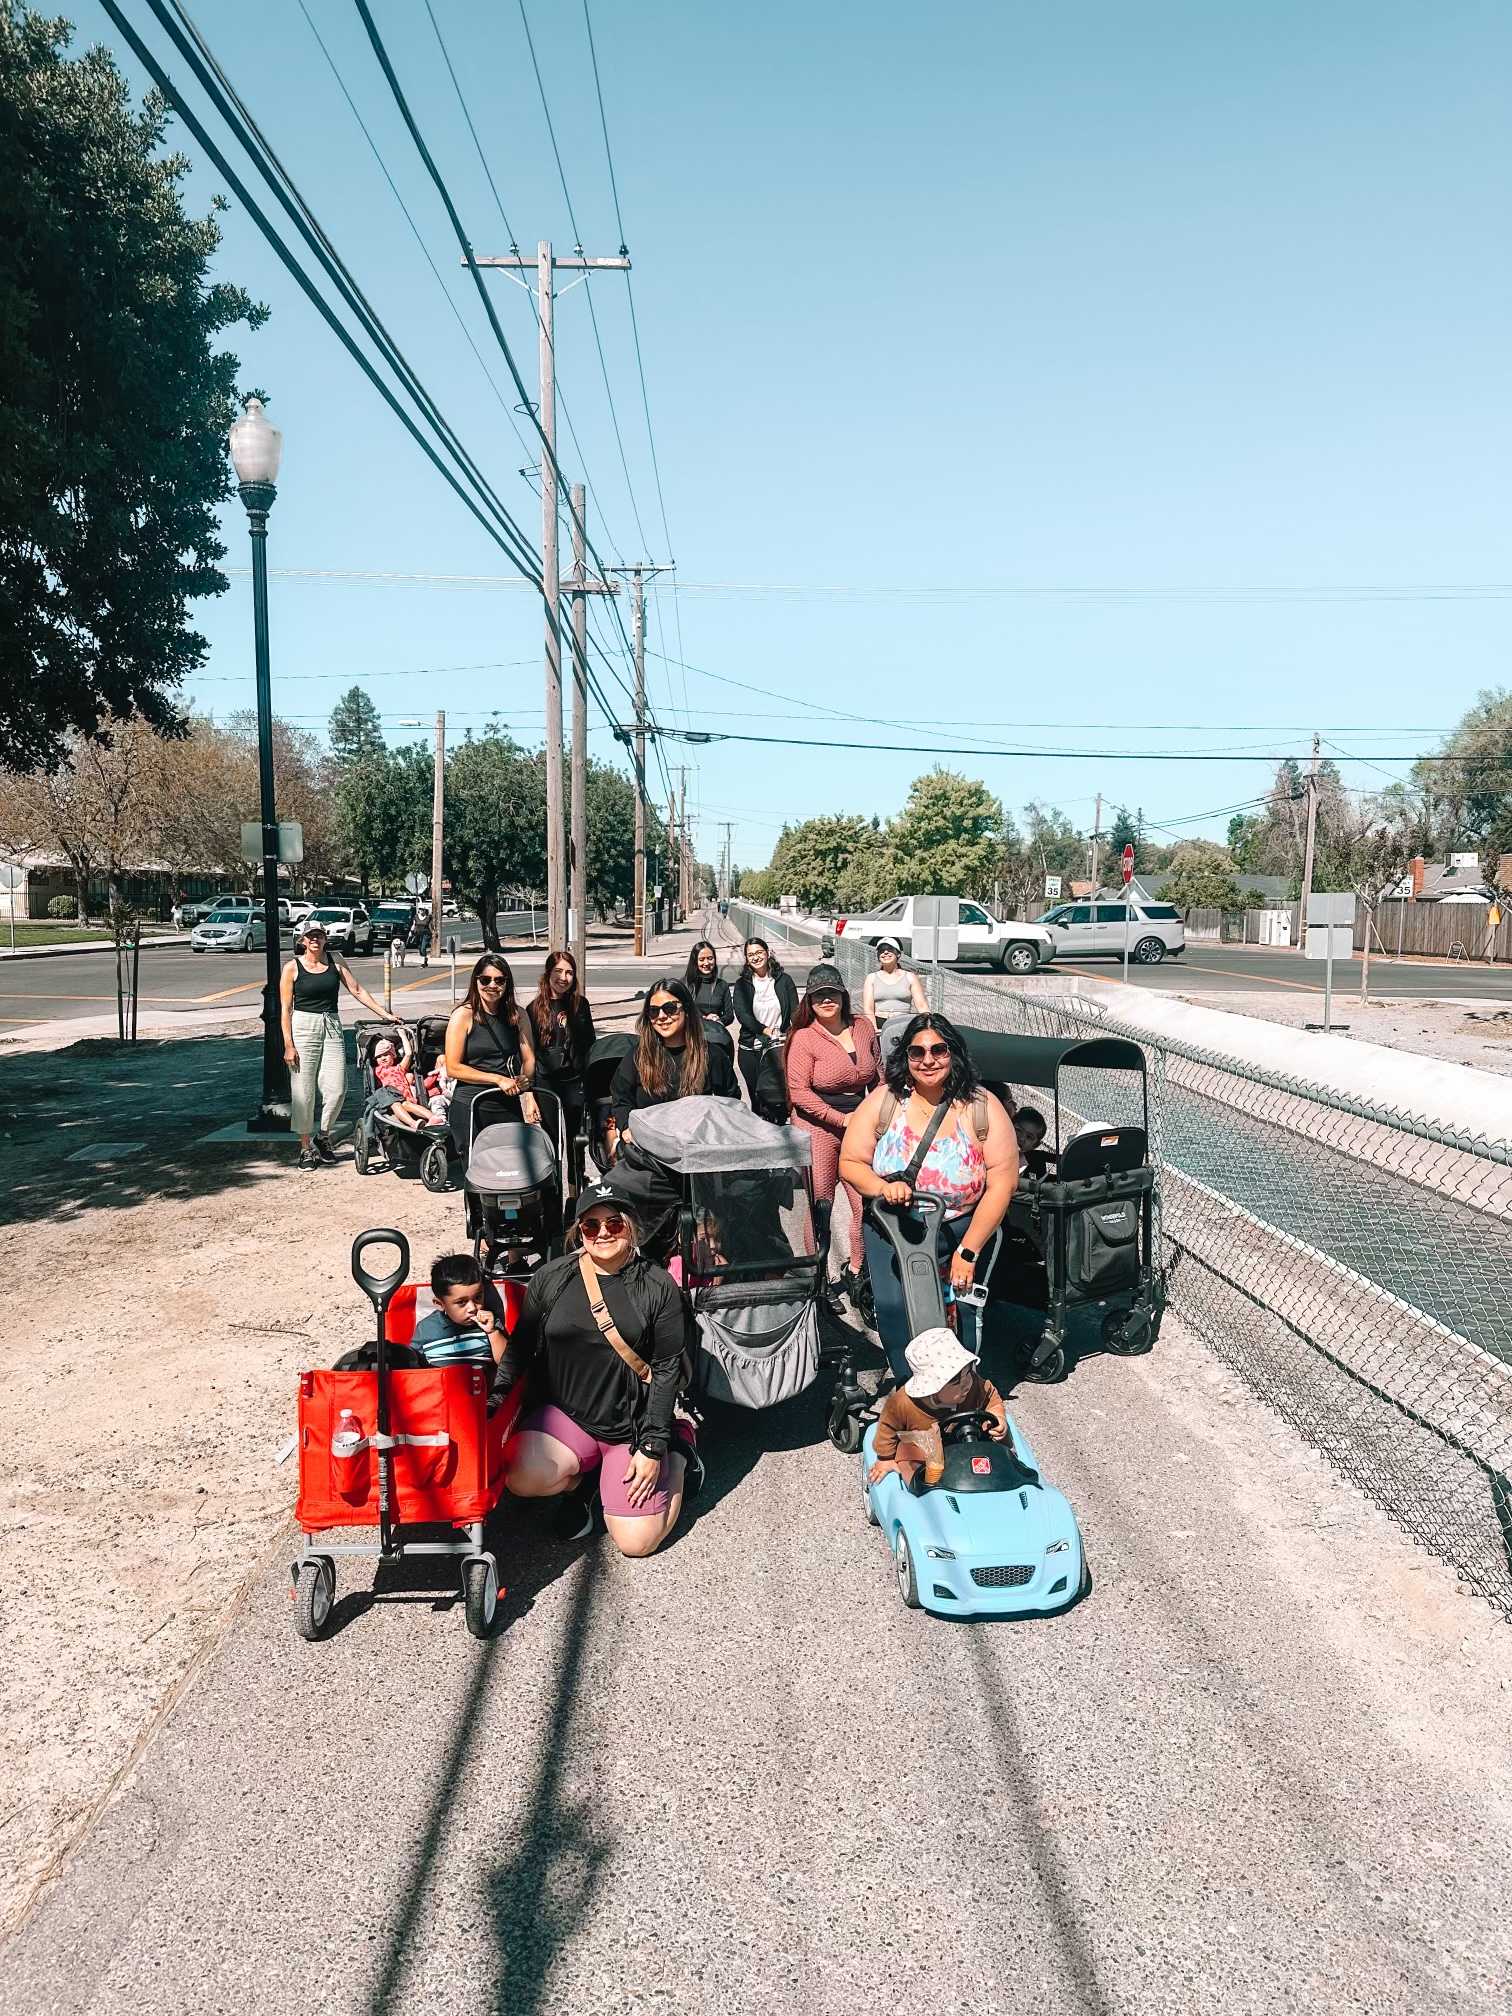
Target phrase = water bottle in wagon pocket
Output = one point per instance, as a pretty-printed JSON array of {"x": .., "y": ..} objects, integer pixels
[{"x": 349, "y": 1455}]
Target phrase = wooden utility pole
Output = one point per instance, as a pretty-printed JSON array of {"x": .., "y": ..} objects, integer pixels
[
  {"x": 579, "y": 588},
  {"x": 438, "y": 827},
  {"x": 1096, "y": 836},
  {"x": 637, "y": 576},
  {"x": 547, "y": 266},
  {"x": 1308, "y": 847},
  {"x": 725, "y": 886},
  {"x": 684, "y": 864}
]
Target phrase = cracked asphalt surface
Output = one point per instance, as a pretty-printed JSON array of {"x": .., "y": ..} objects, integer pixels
[{"x": 1263, "y": 1766}]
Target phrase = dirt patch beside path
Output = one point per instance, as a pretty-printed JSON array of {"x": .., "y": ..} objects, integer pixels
[
  {"x": 1459, "y": 1032},
  {"x": 161, "y": 1307}
]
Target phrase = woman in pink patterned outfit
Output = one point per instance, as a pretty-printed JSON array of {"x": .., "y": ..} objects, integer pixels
[{"x": 832, "y": 1063}]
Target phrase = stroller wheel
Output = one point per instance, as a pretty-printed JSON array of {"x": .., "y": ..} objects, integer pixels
[
  {"x": 842, "y": 1425},
  {"x": 314, "y": 1598},
  {"x": 1048, "y": 1370},
  {"x": 360, "y": 1149},
  {"x": 1127, "y": 1332},
  {"x": 435, "y": 1168}
]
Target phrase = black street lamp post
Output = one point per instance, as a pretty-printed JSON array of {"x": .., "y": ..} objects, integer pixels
[{"x": 255, "y": 451}]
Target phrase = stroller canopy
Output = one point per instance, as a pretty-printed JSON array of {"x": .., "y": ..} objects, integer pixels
[
  {"x": 511, "y": 1156},
  {"x": 1039, "y": 1060},
  {"x": 702, "y": 1136}
]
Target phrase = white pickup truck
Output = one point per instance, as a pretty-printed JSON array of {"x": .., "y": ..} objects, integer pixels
[{"x": 1016, "y": 948}]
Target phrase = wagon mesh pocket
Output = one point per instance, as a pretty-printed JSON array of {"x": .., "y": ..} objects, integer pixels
[{"x": 1102, "y": 1248}]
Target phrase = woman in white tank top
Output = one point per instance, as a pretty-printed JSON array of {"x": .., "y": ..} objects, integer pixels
[{"x": 891, "y": 995}]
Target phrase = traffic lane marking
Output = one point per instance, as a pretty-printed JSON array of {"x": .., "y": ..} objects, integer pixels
[
  {"x": 1234, "y": 972},
  {"x": 157, "y": 1000}
]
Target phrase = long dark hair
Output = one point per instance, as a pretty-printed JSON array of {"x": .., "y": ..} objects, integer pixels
[
  {"x": 651, "y": 1050},
  {"x": 693, "y": 978},
  {"x": 962, "y": 1083},
  {"x": 773, "y": 969},
  {"x": 805, "y": 1018},
  {"x": 546, "y": 1010},
  {"x": 508, "y": 1010}
]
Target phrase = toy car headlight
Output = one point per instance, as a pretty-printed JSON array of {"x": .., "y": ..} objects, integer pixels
[
  {"x": 939, "y": 1554},
  {"x": 1058, "y": 1547}
]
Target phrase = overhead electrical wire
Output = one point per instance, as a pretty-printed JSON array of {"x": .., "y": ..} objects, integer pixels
[
  {"x": 521, "y": 553},
  {"x": 397, "y": 91},
  {"x": 461, "y": 320},
  {"x": 1058, "y": 755},
  {"x": 588, "y": 284},
  {"x": 509, "y": 229}
]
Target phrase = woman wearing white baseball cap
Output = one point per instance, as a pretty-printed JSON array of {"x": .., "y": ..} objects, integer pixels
[{"x": 891, "y": 994}]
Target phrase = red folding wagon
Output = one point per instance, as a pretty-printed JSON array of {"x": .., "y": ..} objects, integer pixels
[{"x": 399, "y": 1448}]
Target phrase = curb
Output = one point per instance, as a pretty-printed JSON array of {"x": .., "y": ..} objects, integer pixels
[{"x": 94, "y": 945}]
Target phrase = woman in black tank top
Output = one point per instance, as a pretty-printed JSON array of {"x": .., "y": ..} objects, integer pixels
[
  {"x": 488, "y": 1049},
  {"x": 309, "y": 994}
]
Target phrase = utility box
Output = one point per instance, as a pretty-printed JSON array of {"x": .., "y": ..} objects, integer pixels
[{"x": 936, "y": 928}]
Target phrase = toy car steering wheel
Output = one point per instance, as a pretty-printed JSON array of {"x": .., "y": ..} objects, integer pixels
[{"x": 983, "y": 1418}]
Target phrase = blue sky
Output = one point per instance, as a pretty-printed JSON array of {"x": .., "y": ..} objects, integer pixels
[{"x": 1020, "y": 375}]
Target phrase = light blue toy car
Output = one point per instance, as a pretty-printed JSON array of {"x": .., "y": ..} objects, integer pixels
[{"x": 990, "y": 1539}]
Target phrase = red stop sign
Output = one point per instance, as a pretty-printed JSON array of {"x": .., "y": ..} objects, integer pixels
[{"x": 1128, "y": 864}]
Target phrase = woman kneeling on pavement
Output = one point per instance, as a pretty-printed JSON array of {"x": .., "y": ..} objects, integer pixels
[
  {"x": 309, "y": 996},
  {"x": 602, "y": 1336},
  {"x": 930, "y": 1127}
]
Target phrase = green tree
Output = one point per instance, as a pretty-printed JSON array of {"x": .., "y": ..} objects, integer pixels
[
  {"x": 836, "y": 858},
  {"x": 116, "y": 405},
  {"x": 383, "y": 813},
  {"x": 611, "y": 837},
  {"x": 495, "y": 823},
  {"x": 1469, "y": 788},
  {"x": 1049, "y": 845},
  {"x": 1202, "y": 878},
  {"x": 355, "y": 730},
  {"x": 948, "y": 839},
  {"x": 1123, "y": 833}
]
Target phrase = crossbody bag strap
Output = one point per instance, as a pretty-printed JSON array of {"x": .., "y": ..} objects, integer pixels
[
  {"x": 606, "y": 1324},
  {"x": 910, "y": 1175}
]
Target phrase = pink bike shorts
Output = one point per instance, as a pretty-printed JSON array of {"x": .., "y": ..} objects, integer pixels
[{"x": 611, "y": 1459}]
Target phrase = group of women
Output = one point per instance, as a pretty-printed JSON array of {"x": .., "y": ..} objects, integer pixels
[{"x": 888, "y": 1096}]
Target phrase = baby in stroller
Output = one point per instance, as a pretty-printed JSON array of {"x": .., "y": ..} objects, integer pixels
[{"x": 391, "y": 1074}]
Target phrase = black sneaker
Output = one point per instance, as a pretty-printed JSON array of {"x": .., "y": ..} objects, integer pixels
[
  {"x": 694, "y": 1471},
  {"x": 308, "y": 1159},
  {"x": 577, "y": 1514},
  {"x": 324, "y": 1150}
]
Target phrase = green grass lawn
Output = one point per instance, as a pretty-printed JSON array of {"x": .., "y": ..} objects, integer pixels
[{"x": 63, "y": 934}]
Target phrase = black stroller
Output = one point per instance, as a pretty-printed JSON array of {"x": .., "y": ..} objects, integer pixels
[
  {"x": 378, "y": 1140},
  {"x": 1082, "y": 1233},
  {"x": 598, "y": 1079},
  {"x": 512, "y": 1188}
]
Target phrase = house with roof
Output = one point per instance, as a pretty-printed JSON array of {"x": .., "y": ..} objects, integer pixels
[{"x": 1460, "y": 879}]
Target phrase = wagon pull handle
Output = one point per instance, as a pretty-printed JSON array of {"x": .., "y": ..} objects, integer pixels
[{"x": 379, "y": 1288}]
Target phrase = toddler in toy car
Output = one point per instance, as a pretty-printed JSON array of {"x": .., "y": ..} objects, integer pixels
[{"x": 945, "y": 1381}]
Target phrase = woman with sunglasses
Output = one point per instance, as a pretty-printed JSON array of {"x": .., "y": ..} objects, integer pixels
[
  {"x": 930, "y": 1099},
  {"x": 602, "y": 1336},
  {"x": 765, "y": 1003},
  {"x": 488, "y": 1049},
  {"x": 309, "y": 999},
  {"x": 671, "y": 1059},
  {"x": 832, "y": 1063}
]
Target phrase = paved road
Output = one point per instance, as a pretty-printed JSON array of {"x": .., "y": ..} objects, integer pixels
[
  {"x": 1251, "y": 969},
  {"x": 83, "y": 985},
  {"x": 1263, "y": 1766}
]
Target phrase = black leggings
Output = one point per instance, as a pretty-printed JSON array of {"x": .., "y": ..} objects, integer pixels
[
  {"x": 887, "y": 1290},
  {"x": 765, "y": 1087}
]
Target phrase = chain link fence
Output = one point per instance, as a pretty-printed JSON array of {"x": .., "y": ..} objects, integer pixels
[{"x": 1351, "y": 1263}]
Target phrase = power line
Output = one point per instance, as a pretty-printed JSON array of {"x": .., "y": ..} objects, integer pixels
[
  {"x": 414, "y": 227},
  {"x": 171, "y": 92},
  {"x": 587, "y": 284},
  {"x": 1060, "y": 755}
]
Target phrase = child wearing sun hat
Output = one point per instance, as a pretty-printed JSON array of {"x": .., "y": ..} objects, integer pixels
[{"x": 944, "y": 1381}]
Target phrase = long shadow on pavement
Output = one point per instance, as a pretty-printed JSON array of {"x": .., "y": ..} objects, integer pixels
[{"x": 152, "y": 1103}]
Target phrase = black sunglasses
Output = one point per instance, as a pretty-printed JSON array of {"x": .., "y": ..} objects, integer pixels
[
  {"x": 490, "y": 979},
  {"x": 665, "y": 1011},
  {"x": 825, "y": 996},
  {"x": 922, "y": 1052}
]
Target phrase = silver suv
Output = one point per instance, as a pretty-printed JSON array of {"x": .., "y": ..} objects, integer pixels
[{"x": 1099, "y": 931}]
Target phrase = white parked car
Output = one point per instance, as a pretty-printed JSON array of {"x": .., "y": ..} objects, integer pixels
[
  {"x": 236, "y": 926},
  {"x": 1153, "y": 931},
  {"x": 348, "y": 926},
  {"x": 1016, "y": 948},
  {"x": 298, "y": 910}
]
